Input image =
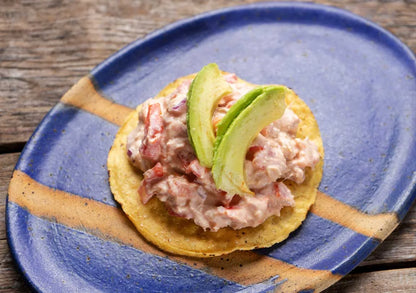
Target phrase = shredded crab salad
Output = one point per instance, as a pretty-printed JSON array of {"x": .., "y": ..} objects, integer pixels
[{"x": 159, "y": 146}]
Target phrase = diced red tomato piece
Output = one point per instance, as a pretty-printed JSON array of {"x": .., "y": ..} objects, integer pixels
[
  {"x": 264, "y": 131},
  {"x": 233, "y": 202},
  {"x": 252, "y": 150},
  {"x": 151, "y": 147},
  {"x": 276, "y": 189},
  {"x": 195, "y": 168},
  {"x": 151, "y": 176}
]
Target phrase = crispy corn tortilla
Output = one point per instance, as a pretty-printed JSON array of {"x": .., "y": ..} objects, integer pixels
[{"x": 184, "y": 237}]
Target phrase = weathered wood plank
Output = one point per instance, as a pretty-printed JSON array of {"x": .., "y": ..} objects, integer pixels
[
  {"x": 47, "y": 45},
  {"x": 400, "y": 280},
  {"x": 10, "y": 279},
  {"x": 7, "y": 163}
]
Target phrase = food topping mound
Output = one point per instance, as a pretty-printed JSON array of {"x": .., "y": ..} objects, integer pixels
[{"x": 160, "y": 147}]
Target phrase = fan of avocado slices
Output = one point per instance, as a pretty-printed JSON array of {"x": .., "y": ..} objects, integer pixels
[{"x": 225, "y": 152}]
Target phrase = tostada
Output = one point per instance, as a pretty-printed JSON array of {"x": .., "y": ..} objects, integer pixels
[{"x": 215, "y": 164}]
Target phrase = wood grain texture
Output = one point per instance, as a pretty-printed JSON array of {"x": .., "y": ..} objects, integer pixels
[
  {"x": 46, "y": 46},
  {"x": 400, "y": 280},
  {"x": 7, "y": 163},
  {"x": 10, "y": 279}
]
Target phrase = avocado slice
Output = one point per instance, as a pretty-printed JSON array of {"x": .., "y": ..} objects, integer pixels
[
  {"x": 233, "y": 112},
  {"x": 207, "y": 88},
  {"x": 263, "y": 105}
]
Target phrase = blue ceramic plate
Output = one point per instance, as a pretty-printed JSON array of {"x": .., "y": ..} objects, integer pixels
[{"x": 68, "y": 234}]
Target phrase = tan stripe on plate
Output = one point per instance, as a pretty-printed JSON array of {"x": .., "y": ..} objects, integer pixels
[
  {"x": 83, "y": 95},
  {"x": 378, "y": 226},
  {"x": 110, "y": 223}
]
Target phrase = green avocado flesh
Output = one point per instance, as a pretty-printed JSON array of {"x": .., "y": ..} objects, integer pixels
[
  {"x": 240, "y": 126},
  {"x": 233, "y": 112},
  {"x": 207, "y": 88}
]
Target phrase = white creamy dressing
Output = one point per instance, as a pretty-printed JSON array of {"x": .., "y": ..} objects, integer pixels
[{"x": 159, "y": 146}]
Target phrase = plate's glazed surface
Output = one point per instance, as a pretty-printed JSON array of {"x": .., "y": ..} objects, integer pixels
[{"x": 67, "y": 233}]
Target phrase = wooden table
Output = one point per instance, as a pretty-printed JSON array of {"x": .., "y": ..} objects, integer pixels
[{"x": 48, "y": 45}]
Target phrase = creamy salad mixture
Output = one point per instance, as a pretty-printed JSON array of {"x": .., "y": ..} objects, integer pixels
[{"x": 159, "y": 146}]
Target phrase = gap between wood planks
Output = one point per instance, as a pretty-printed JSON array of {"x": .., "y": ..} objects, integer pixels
[
  {"x": 14, "y": 147},
  {"x": 384, "y": 267}
]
